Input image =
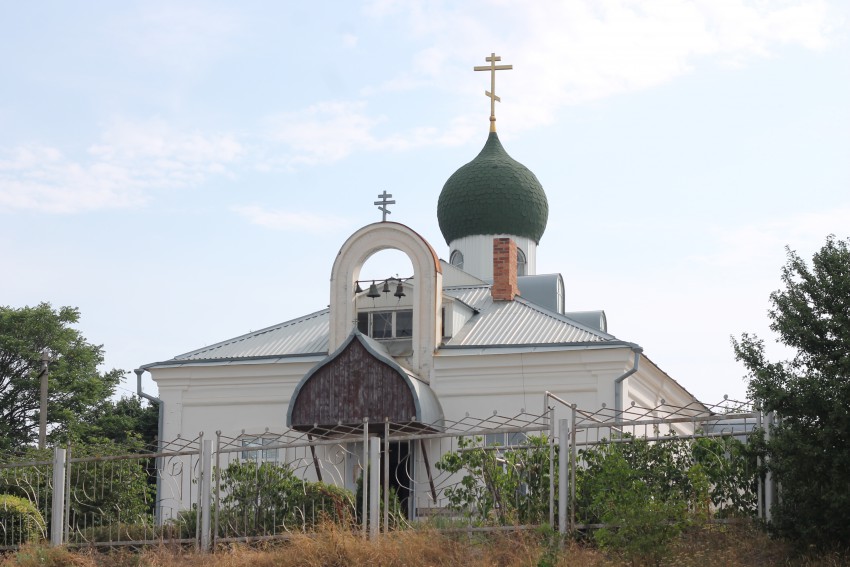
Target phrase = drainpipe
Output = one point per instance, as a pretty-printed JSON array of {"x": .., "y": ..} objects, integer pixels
[
  {"x": 618, "y": 383},
  {"x": 160, "y": 425}
]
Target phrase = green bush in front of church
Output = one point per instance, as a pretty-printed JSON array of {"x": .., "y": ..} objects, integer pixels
[
  {"x": 20, "y": 521},
  {"x": 261, "y": 499}
]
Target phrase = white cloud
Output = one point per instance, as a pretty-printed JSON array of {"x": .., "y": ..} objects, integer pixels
[
  {"x": 290, "y": 221},
  {"x": 132, "y": 159},
  {"x": 349, "y": 40},
  {"x": 331, "y": 131},
  {"x": 41, "y": 178},
  {"x": 573, "y": 52}
]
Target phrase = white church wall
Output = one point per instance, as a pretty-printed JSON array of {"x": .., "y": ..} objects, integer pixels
[
  {"x": 480, "y": 381},
  {"x": 228, "y": 397},
  {"x": 456, "y": 316},
  {"x": 477, "y": 253}
]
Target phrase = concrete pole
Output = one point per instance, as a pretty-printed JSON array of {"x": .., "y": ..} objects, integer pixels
[
  {"x": 374, "y": 490},
  {"x": 364, "y": 479},
  {"x": 206, "y": 478},
  {"x": 57, "y": 507},
  {"x": 386, "y": 475},
  {"x": 551, "y": 418}
]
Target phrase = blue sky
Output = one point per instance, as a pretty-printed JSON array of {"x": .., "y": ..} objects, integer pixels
[{"x": 185, "y": 172}]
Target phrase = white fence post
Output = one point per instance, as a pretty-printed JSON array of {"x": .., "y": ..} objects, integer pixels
[
  {"x": 551, "y": 418},
  {"x": 563, "y": 474},
  {"x": 374, "y": 490},
  {"x": 364, "y": 479},
  {"x": 57, "y": 508},
  {"x": 204, "y": 507},
  {"x": 769, "y": 487}
]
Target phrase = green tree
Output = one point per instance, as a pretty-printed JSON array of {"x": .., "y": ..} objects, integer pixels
[
  {"x": 75, "y": 386},
  {"x": 123, "y": 421},
  {"x": 810, "y": 393}
]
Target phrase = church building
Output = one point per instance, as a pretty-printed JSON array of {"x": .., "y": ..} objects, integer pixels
[{"x": 477, "y": 334}]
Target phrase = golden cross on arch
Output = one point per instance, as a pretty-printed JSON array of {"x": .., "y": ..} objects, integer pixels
[{"x": 492, "y": 67}]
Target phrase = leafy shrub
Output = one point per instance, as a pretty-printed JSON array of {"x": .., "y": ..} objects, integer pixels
[
  {"x": 102, "y": 492},
  {"x": 20, "y": 521},
  {"x": 640, "y": 514},
  {"x": 505, "y": 486},
  {"x": 266, "y": 498}
]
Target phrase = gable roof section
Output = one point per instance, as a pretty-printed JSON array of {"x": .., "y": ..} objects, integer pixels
[
  {"x": 520, "y": 322},
  {"x": 476, "y": 297},
  {"x": 497, "y": 323},
  {"x": 305, "y": 335}
]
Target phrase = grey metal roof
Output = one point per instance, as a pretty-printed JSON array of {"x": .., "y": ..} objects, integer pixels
[
  {"x": 477, "y": 297},
  {"x": 305, "y": 335},
  {"x": 521, "y": 322},
  {"x": 499, "y": 323}
]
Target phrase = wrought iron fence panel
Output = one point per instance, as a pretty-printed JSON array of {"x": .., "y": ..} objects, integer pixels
[
  {"x": 134, "y": 498},
  {"x": 25, "y": 492}
]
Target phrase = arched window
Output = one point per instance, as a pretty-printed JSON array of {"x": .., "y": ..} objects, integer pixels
[
  {"x": 456, "y": 259},
  {"x": 521, "y": 264}
]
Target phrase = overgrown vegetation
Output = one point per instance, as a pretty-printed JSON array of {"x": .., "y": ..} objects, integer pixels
[
  {"x": 267, "y": 498},
  {"x": 498, "y": 484},
  {"x": 20, "y": 521},
  {"x": 331, "y": 546},
  {"x": 644, "y": 494},
  {"x": 807, "y": 448},
  {"x": 103, "y": 493}
]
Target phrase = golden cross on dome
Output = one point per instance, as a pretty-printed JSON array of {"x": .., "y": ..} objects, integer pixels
[{"x": 492, "y": 67}]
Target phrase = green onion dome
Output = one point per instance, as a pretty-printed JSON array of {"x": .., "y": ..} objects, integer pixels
[{"x": 492, "y": 194}]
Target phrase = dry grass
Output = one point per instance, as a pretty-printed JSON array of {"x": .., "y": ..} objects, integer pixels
[{"x": 332, "y": 547}]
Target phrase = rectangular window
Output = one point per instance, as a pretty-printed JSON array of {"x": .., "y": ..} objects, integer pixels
[
  {"x": 266, "y": 455},
  {"x": 386, "y": 324},
  {"x": 505, "y": 439},
  {"x": 404, "y": 324},
  {"x": 382, "y": 324}
]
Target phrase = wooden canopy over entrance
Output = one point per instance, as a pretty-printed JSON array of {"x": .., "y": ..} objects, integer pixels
[{"x": 361, "y": 381}]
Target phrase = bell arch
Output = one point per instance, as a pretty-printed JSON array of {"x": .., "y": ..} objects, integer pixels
[{"x": 427, "y": 293}]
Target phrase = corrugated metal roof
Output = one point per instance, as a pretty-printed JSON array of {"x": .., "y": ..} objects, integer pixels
[
  {"x": 499, "y": 323},
  {"x": 305, "y": 335},
  {"x": 520, "y": 322},
  {"x": 478, "y": 297}
]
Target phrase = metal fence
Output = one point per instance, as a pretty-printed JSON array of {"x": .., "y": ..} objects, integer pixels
[
  {"x": 127, "y": 499},
  {"x": 472, "y": 474},
  {"x": 586, "y": 433},
  {"x": 269, "y": 485}
]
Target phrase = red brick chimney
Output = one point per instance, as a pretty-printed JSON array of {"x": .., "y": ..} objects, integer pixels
[{"x": 504, "y": 270}]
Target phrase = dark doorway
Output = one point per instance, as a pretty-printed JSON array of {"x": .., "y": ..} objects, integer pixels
[{"x": 401, "y": 475}]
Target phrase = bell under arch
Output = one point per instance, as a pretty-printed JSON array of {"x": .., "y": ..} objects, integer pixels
[{"x": 427, "y": 293}]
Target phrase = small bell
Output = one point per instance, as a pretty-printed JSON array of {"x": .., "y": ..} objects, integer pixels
[
  {"x": 399, "y": 290},
  {"x": 373, "y": 291},
  {"x": 358, "y": 289},
  {"x": 386, "y": 286}
]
